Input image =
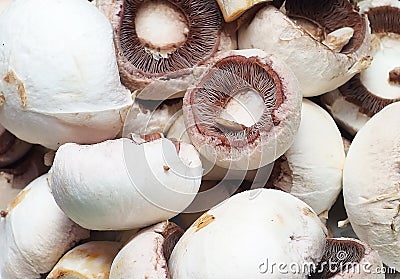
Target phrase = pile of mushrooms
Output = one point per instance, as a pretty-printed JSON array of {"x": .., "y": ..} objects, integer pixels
[{"x": 199, "y": 139}]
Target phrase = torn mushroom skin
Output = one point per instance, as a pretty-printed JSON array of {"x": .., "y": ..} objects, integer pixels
[
  {"x": 86, "y": 102},
  {"x": 31, "y": 245},
  {"x": 146, "y": 255},
  {"x": 245, "y": 110},
  {"x": 293, "y": 235},
  {"x": 164, "y": 41},
  {"x": 149, "y": 180},
  {"x": 325, "y": 43},
  {"x": 353, "y": 103},
  {"x": 371, "y": 188}
]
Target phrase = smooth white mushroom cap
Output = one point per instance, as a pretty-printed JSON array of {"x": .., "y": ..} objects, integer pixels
[
  {"x": 234, "y": 239},
  {"x": 119, "y": 184},
  {"x": 316, "y": 159},
  {"x": 91, "y": 260},
  {"x": 59, "y": 77},
  {"x": 35, "y": 233},
  {"x": 371, "y": 184},
  {"x": 318, "y": 68}
]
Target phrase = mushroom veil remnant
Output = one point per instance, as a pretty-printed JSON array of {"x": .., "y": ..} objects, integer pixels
[
  {"x": 244, "y": 111},
  {"x": 163, "y": 40},
  {"x": 59, "y": 79},
  {"x": 325, "y": 43}
]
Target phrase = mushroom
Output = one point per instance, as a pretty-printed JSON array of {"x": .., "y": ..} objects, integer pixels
[
  {"x": 137, "y": 183},
  {"x": 59, "y": 79},
  {"x": 147, "y": 253},
  {"x": 349, "y": 258},
  {"x": 164, "y": 41},
  {"x": 371, "y": 186},
  {"x": 89, "y": 260},
  {"x": 353, "y": 103},
  {"x": 311, "y": 169},
  {"x": 325, "y": 43},
  {"x": 245, "y": 110},
  {"x": 151, "y": 117},
  {"x": 237, "y": 237},
  {"x": 35, "y": 233}
]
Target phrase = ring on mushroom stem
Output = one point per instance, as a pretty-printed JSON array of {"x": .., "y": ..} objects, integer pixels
[
  {"x": 165, "y": 37},
  {"x": 353, "y": 103},
  {"x": 244, "y": 111}
]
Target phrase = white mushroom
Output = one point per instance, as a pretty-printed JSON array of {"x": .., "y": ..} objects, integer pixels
[
  {"x": 236, "y": 238},
  {"x": 245, "y": 110},
  {"x": 312, "y": 168},
  {"x": 35, "y": 233},
  {"x": 297, "y": 38},
  {"x": 161, "y": 43},
  {"x": 365, "y": 94},
  {"x": 135, "y": 185},
  {"x": 91, "y": 260},
  {"x": 371, "y": 186},
  {"x": 147, "y": 253},
  {"x": 59, "y": 78}
]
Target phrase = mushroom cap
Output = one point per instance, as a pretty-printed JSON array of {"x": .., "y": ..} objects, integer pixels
[
  {"x": 87, "y": 261},
  {"x": 135, "y": 185},
  {"x": 31, "y": 244},
  {"x": 365, "y": 5},
  {"x": 316, "y": 159},
  {"x": 268, "y": 146},
  {"x": 59, "y": 81},
  {"x": 318, "y": 68},
  {"x": 371, "y": 184},
  {"x": 235, "y": 238}
]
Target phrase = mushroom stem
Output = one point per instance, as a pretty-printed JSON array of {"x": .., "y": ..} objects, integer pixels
[
  {"x": 337, "y": 39},
  {"x": 394, "y": 76}
]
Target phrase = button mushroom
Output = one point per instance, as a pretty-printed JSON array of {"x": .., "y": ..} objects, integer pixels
[
  {"x": 59, "y": 79},
  {"x": 35, "y": 233},
  {"x": 310, "y": 36},
  {"x": 136, "y": 184},
  {"x": 371, "y": 186}
]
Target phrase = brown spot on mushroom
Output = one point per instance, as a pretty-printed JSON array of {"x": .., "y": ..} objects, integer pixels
[
  {"x": 203, "y": 221},
  {"x": 394, "y": 76},
  {"x": 3, "y": 213},
  {"x": 166, "y": 168},
  {"x": 307, "y": 211},
  {"x": 12, "y": 78},
  {"x": 2, "y": 99},
  {"x": 151, "y": 137},
  {"x": 18, "y": 199}
]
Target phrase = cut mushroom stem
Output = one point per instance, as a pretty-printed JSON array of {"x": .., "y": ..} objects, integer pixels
[
  {"x": 337, "y": 39},
  {"x": 147, "y": 253},
  {"x": 90, "y": 260},
  {"x": 394, "y": 76}
]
